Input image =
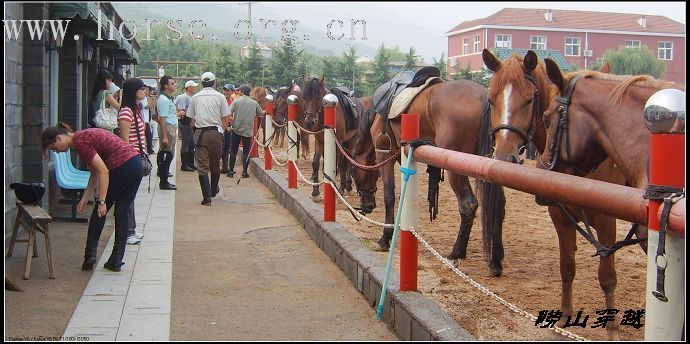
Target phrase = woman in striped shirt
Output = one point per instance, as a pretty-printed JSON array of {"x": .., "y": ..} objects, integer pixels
[{"x": 133, "y": 131}]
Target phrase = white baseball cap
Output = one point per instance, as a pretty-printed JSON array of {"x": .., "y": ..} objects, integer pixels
[
  {"x": 208, "y": 76},
  {"x": 190, "y": 83}
]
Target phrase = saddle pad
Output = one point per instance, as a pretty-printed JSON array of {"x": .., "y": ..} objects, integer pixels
[{"x": 404, "y": 98}]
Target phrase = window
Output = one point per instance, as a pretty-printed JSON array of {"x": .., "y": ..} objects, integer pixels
[
  {"x": 665, "y": 50},
  {"x": 572, "y": 46},
  {"x": 464, "y": 46},
  {"x": 503, "y": 41},
  {"x": 476, "y": 44},
  {"x": 633, "y": 44},
  {"x": 453, "y": 62},
  {"x": 537, "y": 42}
]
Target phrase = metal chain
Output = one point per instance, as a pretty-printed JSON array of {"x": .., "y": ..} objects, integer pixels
[
  {"x": 486, "y": 291},
  {"x": 275, "y": 159},
  {"x": 305, "y": 179},
  {"x": 354, "y": 211},
  {"x": 365, "y": 167},
  {"x": 307, "y": 131}
]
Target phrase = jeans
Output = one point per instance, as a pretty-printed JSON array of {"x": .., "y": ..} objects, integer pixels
[
  {"x": 149, "y": 139},
  {"x": 122, "y": 189},
  {"x": 246, "y": 146}
]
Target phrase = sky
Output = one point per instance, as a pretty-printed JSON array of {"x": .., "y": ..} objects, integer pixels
[{"x": 421, "y": 25}]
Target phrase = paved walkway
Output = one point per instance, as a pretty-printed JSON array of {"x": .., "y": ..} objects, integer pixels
[{"x": 242, "y": 269}]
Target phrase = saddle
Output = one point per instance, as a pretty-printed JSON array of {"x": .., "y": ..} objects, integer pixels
[
  {"x": 384, "y": 94},
  {"x": 351, "y": 110}
]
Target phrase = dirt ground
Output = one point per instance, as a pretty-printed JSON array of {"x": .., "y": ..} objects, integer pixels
[
  {"x": 531, "y": 278},
  {"x": 46, "y": 305}
]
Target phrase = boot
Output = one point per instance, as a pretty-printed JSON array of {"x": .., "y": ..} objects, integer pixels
[
  {"x": 164, "y": 160},
  {"x": 186, "y": 162},
  {"x": 224, "y": 162},
  {"x": 191, "y": 159},
  {"x": 231, "y": 167},
  {"x": 215, "y": 188},
  {"x": 205, "y": 189}
]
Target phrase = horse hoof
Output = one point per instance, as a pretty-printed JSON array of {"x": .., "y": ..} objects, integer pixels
[
  {"x": 384, "y": 246},
  {"x": 316, "y": 198},
  {"x": 455, "y": 262},
  {"x": 496, "y": 272}
]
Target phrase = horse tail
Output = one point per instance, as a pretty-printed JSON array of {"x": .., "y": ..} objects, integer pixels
[{"x": 492, "y": 196}]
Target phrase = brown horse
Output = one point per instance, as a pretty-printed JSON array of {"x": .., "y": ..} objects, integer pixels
[
  {"x": 519, "y": 96},
  {"x": 314, "y": 91},
  {"x": 452, "y": 116},
  {"x": 281, "y": 109}
]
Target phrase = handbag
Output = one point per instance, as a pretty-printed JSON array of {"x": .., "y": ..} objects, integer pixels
[
  {"x": 106, "y": 117},
  {"x": 145, "y": 161}
]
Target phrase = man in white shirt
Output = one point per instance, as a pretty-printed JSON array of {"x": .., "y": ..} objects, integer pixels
[{"x": 187, "y": 149}]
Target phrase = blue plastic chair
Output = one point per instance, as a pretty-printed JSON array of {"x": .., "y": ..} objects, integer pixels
[{"x": 70, "y": 179}]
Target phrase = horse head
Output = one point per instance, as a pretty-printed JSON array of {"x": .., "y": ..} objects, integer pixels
[
  {"x": 571, "y": 144},
  {"x": 517, "y": 96},
  {"x": 364, "y": 154},
  {"x": 313, "y": 93},
  {"x": 259, "y": 95},
  {"x": 280, "y": 105}
]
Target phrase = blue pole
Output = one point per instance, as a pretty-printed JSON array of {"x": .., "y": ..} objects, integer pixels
[{"x": 407, "y": 172}]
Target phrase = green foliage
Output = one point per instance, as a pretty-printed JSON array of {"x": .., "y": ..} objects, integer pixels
[
  {"x": 635, "y": 61},
  {"x": 441, "y": 65},
  {"x": 410, "y": 60},
  {"x": 380, "y": 70},
  {"x": 284, "y": 65},
  {"x": 251, "y": 68},
  {"x": 223, "y": 63}
]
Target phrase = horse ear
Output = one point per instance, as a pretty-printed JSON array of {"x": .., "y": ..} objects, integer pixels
[
  {"x": 530, "y": 61},
  {"x": 490, "y": 61},
  {"x": 605, "y": 68},
  {"x": 321, "y": 81},
  {"x": 554, "y": 74}
]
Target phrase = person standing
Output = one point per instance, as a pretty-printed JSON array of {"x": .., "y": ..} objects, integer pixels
[
  {"x": 117, "y": 171},
  {"x": 209, "y": 112},
  {"x": 146, "y": 115},
  {"x": 243, "y": 110},
  {"x": 133, "y": 131},
  {"x": 187, "y": 149},
  {"x": 229, "y": 93},
  {"x": 100, "y": 92},
  {"x": 167, "y": 131}
]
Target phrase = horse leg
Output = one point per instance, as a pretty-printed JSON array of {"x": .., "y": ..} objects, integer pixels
[
  {"x": 606, "y": 235},
  {"x": 343, "y": 171},
  {"x": 315, "y": 164},
  {"x": 346, "y": 170},
  {"x": 304, "y": 142},
  {"x": 388, "y": 178},
  {"x": 467, "y": 204},
  {"x": 567, "y": 247}
]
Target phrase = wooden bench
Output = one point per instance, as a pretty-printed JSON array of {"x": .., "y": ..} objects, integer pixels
[{"x": 34, "y": 219}]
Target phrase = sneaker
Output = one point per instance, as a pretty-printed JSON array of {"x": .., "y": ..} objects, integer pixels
[
  {"x": 88, "y": 263},
  {"x": 133, "y": 240},
  {"x": 245, "y": 175},
  {"x": 138, "y": 235}
]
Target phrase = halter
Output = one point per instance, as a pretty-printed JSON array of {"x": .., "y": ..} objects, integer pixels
[
  {"x": 529, "y": 135},
  {"x": 562, "y": 132}
]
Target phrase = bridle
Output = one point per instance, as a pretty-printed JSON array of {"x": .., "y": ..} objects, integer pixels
[
  {"x": 562, "y": 133},
  {"x": 528, "y": 136}
]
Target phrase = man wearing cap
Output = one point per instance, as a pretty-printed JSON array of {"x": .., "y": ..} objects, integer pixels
[
  {"x": 167, "y": 130},
  {"x": 244, "y": 110},
  {"x": 187, "y": 149},
  {"x": 229, "y": 93},
  {"x": 210, "y": 113}
]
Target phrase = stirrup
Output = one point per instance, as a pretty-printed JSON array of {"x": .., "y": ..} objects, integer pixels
[{"x": 383, "y": 150}]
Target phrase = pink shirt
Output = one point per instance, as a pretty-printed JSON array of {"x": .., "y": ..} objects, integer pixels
[
  {"x": 110, "y": 147},
  {"x": 126, "y": 115}
]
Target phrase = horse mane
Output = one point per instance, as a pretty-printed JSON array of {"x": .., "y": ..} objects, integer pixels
[
  {"x": 624, "y": 82},
  {"x": 312, "y": 89}
]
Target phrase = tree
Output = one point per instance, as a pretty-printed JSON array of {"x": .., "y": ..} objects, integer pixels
[
  {"x": 285, "y": 65},
  {"x": 223, "y": 63},
  {"x": 347, "y": 67},
  {"x": 411, "y": 60},
  {"x": 380, "y": 67},
  {"x": 635, "y": 61},
  {"x": 441, "y": 65},
  {"x": 252, "y": 66}
]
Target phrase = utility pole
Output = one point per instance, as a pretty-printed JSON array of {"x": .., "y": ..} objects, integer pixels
[{"x": 251, "y": 29}]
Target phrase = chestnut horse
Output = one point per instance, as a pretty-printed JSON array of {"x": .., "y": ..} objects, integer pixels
[
  {"x": 519, "y": 96},
  {"x": 452, "y": 116},
  {"x": 280, "y": 117},
  {"x": 313, "y": 93}
]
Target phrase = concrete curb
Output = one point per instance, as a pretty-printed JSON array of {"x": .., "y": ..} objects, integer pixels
[{"x": 412, "y": 315}]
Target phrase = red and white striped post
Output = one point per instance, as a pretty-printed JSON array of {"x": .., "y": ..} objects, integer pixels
[
  {"x": 409, "y": 217},
  {"x": 268, "y": 133},
  {"x": 665, "y": 313},
  {"x": 330, "y": 101},
  {"x": 292, "y": 141}
]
